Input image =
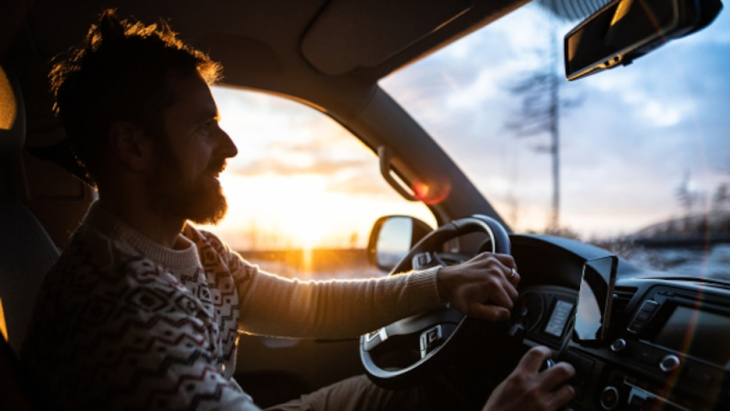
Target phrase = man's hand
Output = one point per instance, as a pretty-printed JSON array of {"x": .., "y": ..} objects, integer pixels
[
  {"x": 526, "y": 388},
  {"x": 483, "y": 287}
]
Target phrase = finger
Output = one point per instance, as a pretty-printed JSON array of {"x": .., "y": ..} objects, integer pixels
[
  {"x": 533, "y": 359},
  {"x": 488, "y": 312},
  {"x": 493, "y": 259},
  {"x": 511, "y": 279},
  {"x": 557, "y": 375},
  {"x": 500, "y": 290},
  {"x": 561, "y": 397},
  {"x": 501, "y": 293},
  {"x": 506, "y": 259}
]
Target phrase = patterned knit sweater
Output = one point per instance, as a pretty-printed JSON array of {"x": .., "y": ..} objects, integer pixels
[{"x": 124, "y": 323}]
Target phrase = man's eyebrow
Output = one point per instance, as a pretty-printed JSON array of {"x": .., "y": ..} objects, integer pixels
[{"x": 210, "y": 115}]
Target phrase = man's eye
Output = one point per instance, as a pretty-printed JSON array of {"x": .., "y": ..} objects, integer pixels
[{"x": 208, "y": 126}]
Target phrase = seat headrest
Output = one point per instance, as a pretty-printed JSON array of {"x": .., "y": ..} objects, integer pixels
[{"x": 12, "y": 117}]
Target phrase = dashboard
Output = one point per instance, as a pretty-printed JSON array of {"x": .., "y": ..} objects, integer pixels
[{"x": 652, "y": 343}]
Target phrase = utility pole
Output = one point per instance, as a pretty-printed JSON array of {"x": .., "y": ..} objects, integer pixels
[
  {"x": 554, "y": 119},
  {"x": 565, "y": 10},
  {"x": 540, "y": 115}
]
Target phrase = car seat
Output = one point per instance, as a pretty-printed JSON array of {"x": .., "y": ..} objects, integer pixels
[{"x": 26, "y": 251}]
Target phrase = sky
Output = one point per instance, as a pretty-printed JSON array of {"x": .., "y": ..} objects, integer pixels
[
  {"x": 300, "y": 180},
  {"x": 634, "y": 135}
]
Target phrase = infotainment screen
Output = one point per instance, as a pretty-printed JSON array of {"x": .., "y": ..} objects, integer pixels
[
  {"x": 593, "y": 312},
  {"x": 699, "y": 333}
]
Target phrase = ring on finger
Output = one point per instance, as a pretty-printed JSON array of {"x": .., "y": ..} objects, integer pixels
[{"x": 512, "y": 274}]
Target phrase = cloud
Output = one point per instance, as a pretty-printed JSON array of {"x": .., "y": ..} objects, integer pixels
[
  {"x": 624, "y": 149},
  {"x": 283, "y": 138},
  {"x": 288, "y": 167}
]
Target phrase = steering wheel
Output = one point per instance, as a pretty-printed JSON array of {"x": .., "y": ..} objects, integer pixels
[{"x": 404, "y": 351}]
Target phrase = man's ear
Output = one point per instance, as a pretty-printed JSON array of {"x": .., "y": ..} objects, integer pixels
[{"x": 129, "y": 144}]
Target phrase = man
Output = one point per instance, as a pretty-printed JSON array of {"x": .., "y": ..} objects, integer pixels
[{"x": 142, "y": 310}]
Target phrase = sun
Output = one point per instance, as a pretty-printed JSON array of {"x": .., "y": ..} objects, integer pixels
[
  {"x": 285, "y": 212},
  {"x": 305, "y": 225}
]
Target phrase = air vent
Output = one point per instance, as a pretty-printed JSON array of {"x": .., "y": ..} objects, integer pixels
[
  {"x": 622, "y": 297},
  {"x": 619, "y": 317}
]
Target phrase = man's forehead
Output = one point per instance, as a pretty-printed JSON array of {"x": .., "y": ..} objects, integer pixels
[{"x": 194, "y": 96}]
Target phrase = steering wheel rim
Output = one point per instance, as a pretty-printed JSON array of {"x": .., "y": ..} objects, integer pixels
[{"x": 431, "y": 326}]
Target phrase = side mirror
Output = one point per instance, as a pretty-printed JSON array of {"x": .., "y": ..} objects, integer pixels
[
  {"x": 392, "y": 237},
  {"x": 624, "y": 30}
]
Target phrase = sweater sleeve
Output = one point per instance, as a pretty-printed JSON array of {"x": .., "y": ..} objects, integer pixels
[
  {"x": 272, "y": 305},
  {"x": 277, "y": 306}
]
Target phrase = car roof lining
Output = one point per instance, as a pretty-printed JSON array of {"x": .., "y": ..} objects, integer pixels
[
  {"x": 369, "y": 33},
  {"x": 262, "y": 45}
]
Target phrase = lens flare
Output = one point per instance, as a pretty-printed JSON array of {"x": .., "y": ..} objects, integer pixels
[{"x": 432, "y": 192}]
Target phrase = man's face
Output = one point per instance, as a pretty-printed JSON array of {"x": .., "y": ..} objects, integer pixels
[{"x": 192, "y": 152}]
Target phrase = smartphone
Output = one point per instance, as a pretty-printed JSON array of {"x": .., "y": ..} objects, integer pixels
[{"x": 593, "y": 311}]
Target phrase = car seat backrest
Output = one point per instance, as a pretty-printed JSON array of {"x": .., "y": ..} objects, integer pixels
[
  {"x": 12, "y": 122},
  {"x": 26, "y": 250}
]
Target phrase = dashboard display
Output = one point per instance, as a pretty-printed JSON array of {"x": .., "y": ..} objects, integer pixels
[
  {"x": 593, "y": 313},
  {"x": 697, "y": 333},
  {"x": 558, "y": 318}
]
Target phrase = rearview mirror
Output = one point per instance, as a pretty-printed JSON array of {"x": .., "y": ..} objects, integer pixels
[{"x": 624, "y": 30}]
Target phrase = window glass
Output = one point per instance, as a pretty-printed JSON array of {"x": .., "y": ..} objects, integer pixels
[
  {"x": 300, "y": 184},
  {"x": 642, "y": 150}
]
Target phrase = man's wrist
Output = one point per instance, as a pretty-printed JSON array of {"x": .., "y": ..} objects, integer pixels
[{"x": 441, "y": 285}]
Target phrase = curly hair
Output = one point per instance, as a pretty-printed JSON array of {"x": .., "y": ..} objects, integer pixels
[{"x": 122, "y": 71}]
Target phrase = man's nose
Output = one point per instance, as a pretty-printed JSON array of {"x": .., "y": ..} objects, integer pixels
[{"x": 227, "y": 147}]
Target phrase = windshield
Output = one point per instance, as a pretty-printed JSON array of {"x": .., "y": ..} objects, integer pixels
[{"x": 632, "y": 158}]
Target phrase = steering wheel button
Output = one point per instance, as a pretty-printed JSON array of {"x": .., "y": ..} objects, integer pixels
[
  {"x": 421, "y": 260},
  {"x": 430, "y": 339}
]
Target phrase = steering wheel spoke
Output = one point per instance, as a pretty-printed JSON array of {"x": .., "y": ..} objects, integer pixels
[
  {"x": 402, "y": 352},
  {"x": 424, "y": 260},
  {"x": 413, "y": 325}
]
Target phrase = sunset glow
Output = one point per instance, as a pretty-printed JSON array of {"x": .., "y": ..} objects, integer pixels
[{"x": 300, "y": 180}]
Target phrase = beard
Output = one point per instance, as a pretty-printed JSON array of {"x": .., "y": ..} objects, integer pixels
[
  {"x": 202, "y": 202},
  {"x": 199, "y": 199}
]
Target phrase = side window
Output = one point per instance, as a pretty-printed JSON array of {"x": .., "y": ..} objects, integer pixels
[{"x": 303, "y": 192}]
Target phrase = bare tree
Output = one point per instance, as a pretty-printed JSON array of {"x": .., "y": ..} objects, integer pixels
[
  {"x": 542, "y": 106},
  {"x": 721, "y": 198},
  {"x": 542, "y": 103},
  {"x": 686, "y": 197}
]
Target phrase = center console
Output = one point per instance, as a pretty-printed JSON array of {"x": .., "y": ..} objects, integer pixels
[{"x": 669, "y": 349}]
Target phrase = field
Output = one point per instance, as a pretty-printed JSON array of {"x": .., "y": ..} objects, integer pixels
[{"x": 314, "y": 264}]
